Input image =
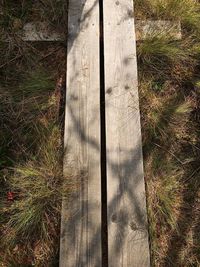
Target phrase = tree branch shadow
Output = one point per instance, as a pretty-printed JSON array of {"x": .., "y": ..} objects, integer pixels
[{"x": 127, "y": 173}]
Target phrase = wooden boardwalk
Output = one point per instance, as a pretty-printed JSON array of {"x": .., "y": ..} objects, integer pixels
[{"x": 88, "y": 82}]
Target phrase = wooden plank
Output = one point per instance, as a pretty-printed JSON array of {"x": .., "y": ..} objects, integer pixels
[
  {"x": 157, "y": 28},
  {"x": 81, "y": 217},
  {"x": 126, "y": 203},
  {"x": 41, "y": 31}
]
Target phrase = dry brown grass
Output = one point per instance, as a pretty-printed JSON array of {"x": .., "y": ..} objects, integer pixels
[
  {"x": 31, "y": 157},
  {"x": 169, "y": 98}
]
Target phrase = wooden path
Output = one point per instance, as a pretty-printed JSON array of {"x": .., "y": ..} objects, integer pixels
[
  {"x": 145, "y": 29},
  {"x": 105, "y": 221}
]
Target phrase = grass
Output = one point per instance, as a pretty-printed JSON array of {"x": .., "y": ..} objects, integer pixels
[
  {"x": 34, "y": 214},
  {"x": 186, "y": 11},
  {"x": 169, "y": 100},
  {"x": 15, "y": 13},
  {"x": 164, "y": 57},
  {"x": 31, "y": 91},
  {"x": 31, "y": 170}
]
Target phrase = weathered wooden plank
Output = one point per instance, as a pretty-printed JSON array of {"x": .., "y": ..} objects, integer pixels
[
  {"x": 41, "y": 31},
  {"x": 151, "y": 28},
  {"x": 81, "y": 217},
  {"x": 127, "y": 221}
]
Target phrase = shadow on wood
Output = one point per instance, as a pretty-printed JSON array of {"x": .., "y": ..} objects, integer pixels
[{"x": 81, "y": 240}]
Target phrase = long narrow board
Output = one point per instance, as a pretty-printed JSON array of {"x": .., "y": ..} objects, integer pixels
[
  {"x": 145, "y": 29},
  {"x": 81, "y": 213},
  {"x": 126, "y": 203}
]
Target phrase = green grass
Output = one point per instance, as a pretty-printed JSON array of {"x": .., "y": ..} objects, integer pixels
[
  {"x": 169, "y": 100},
  {"x": 36, "y": 184},
  {"x": 164, "y": 57},
  {"x": 30, "y": 136},
  {"x": 36, "y": 83},
  {"x": 161, "y": 48},
  {"x": 31, "y": 168}
]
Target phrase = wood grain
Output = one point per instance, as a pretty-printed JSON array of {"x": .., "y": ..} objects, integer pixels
[
  {"x": 147, "y": 29},
  {"x": 81, "y": 216},
  {"x": 127, "y": 221}
]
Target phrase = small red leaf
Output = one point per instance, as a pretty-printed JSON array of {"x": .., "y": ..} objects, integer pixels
[{"x": 10, "y": 196}]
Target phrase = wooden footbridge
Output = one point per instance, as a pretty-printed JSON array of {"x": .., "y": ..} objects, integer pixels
[{"x": 105, "y": 223}]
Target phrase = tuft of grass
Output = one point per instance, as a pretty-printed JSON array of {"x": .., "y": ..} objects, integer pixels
[
  {"x": 165, "y": 186},
  {"x": 164, "y": 192},
  {"x": 36, "y": 185},
  {"x": 37, "y": 82},
  {"x": 162, "y": 112},
  {"x": 31, "y": 168},
  {"x": 169, "y": 101},
  {"x": 163, "y": 57},
  {"x": 32, "y": 219},
  {"x": 160, "y": 47}
]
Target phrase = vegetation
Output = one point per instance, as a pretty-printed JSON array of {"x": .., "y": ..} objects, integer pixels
[
  {"x": 169, "y": 75},
  {"x": 31, "y": 119},
  {"x": 15, "y": 13},
  {"x": 31, "y": 171},
  {"x": 31, "y": 93}
]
